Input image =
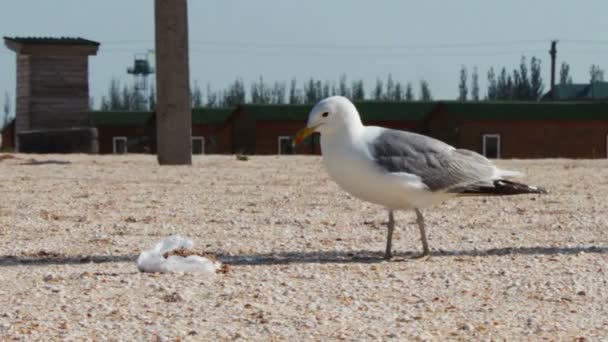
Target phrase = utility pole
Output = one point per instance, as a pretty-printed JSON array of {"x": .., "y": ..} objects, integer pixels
[
  {"x": 553, "y": 53},
  {"x": 173, "y": 108}
]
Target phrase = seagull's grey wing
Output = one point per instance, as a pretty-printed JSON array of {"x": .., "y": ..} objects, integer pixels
[{"x": 439, "y": 165}]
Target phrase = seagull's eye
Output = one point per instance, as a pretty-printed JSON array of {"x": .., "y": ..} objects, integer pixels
[{"x": 326, "y": 114}]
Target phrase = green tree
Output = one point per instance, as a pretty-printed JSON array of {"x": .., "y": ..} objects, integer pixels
[
  {"x": 523, "y": 87},
  {"x": 564, "y": 74},
  {"x": 326, "y": 90},
  {"x": 409, "y": 92},
  {"x": 390, "y": 88},
  {"x": 260, "y": 92},
  {"x": 127, "y": 98},
  {"x": 425, "y": 91},
  {"x": 378, "y": 92},
  {"x": 475, "y": 85},
  {"x": 197, "y": 96},
  {"x": 503, "y": 86},
  {"x": 462, "y": 84},
  {"x": 277, "y": 93},
  {"x": 212, "y": 97},
  {"x": 114, "y": 97},
  {"x": 398, "y": 92},
  {"x": 294, "y": 93},
  {"x": 310, "y": 91},
  {"x": 357, "y": 91},
  {"x": 596, "y": 74},
  {"x": 536, "y": 81},
  {"x": 492, "y": 86},
  {"x": 509, "y": 88},
  {"x": 318, "y": 91},
  {"x": 343, "y": 87},
  {"x": 234, "y": 95},
  {"x": 152, "y": 98},
  {"x": 516, "y": 87}
]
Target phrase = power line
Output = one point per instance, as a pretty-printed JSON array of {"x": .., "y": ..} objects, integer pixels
[
  {"x": 364, "y": 50},
  {"x": 368, "y": 46},
  {"x": 324, "y": 53},
  {"x": 341, "y": 46},
  {"x": 585, "y": 41},
  {"x": 364, "y": 54}
]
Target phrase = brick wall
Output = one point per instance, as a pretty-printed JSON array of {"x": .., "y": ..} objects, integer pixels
[
  {"x": 267, "y": 134},
  {"x": 539, "y": 139},
  {"x": 218, "y": 138}
]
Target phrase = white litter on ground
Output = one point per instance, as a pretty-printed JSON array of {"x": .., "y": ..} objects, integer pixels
[{"x": 153, "y": 260}]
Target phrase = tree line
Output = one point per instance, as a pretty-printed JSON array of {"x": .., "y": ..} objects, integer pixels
[
  {"x": 523, "y": 83},
  {"x": 127, "y": 97}
]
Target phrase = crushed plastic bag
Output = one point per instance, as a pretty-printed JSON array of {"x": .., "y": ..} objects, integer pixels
[{"x": 153, "y": 260}]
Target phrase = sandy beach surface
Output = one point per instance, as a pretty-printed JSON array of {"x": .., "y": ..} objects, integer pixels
[{"x": 303, "y": 258}]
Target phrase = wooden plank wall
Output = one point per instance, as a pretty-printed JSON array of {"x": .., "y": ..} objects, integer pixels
[
  {"x": 22, "y": 110},
  {"x": 59, "y": 91},
  {"x": 53, "y": 92}
]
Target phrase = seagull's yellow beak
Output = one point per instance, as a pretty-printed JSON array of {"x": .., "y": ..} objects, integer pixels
[{"x": 303, "y": 134}]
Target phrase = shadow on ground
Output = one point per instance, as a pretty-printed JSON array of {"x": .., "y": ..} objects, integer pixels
[
  {"x": 12, "y": 260},
  {"x": 315, "y": 257},
  {"x": 46, "y": 162},
  {"x": 322, "y": 257}
]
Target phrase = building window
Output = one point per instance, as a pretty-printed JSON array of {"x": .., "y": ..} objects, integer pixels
[
  {"x": 491, "y": 145},
  {"x": 119, "y": 145},
  {"x": 285, "y": 145},
  {"x": 198, "y": 145}
]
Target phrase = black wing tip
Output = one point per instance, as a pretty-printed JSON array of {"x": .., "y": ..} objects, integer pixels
[{"x": 504, "y": 187}]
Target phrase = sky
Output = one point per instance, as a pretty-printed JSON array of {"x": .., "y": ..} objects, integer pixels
[{"x": 283, "y": 39}]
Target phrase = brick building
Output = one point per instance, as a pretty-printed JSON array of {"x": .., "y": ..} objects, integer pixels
[
  {"x": 268, "y": 129},
  {"x": 495, "y": 129},
  {"x": 134, "y": 132},
  {"x": 523, "y": 129}
]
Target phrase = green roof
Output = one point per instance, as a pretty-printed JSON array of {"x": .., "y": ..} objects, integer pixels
[
  {"x": 389, "y": 111},
  {"x": 210, "y": 115},
  {"x": 568, "y": 91},
  {"x": 369, "y": 110},
  {"x": 128, "y": 118},
  {"x": 277, "y": 112},
  {"x": 581, "y": 91},
  {"x": 100, "y": 118},
  {"x": 598, "y": 90},
  {"x": 512, "y": 110}
]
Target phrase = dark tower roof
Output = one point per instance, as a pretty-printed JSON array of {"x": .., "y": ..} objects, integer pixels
[{"x": 52, "y": 40}]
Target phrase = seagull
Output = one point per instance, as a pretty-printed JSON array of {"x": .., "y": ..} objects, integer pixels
[{"x": 400, "y": 170}]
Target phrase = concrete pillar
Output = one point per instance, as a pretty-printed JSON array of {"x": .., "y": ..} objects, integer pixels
[{"x": 173, "y": 109}]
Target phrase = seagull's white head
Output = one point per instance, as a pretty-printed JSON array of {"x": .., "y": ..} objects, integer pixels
[{"x": 332, "y": 114}]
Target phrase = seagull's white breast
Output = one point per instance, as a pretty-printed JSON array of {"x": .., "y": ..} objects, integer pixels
[{"x": 349, "y": 162}]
